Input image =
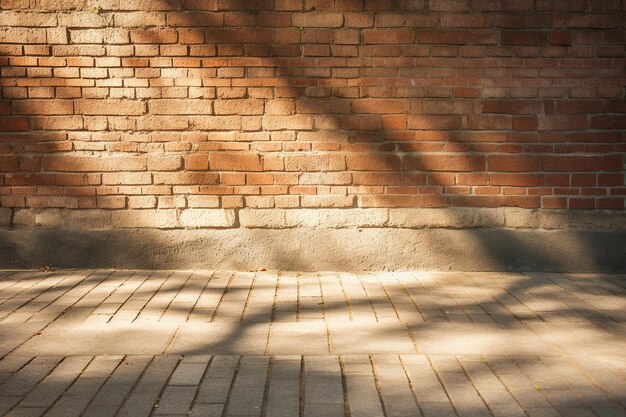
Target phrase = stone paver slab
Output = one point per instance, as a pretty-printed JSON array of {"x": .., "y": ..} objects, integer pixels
[
  {"x": 226, "y": 338},
  {"x": 478, "y": 339},
  {"x": 176, "y": 343},
  {"x": 107, "y": 339},
  {"x": 370, "y": 338},
  {"x": 303, "y": 338},
  {"x": 13, "y": 335}
]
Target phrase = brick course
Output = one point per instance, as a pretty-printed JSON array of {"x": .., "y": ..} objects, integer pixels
[{"x": 312, "y": 104}]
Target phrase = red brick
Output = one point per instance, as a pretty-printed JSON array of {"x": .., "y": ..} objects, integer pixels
[
  {"x": 517, "y": 180},
  {"x": 610, "y": 180},
  {"x": 395, "y": 35},
  {"x": 13, "y": 124},
  {"x": 196, "y": 162},
  {"x": 380, "y": 106},
  {"x": 495, "y": 201},
  {"x": 242, "y": 107},
  {"x": 582, "y": 203},
  {"x": 315, "y": 162},
  {"x": 489, "y": 122},
  {"x": 154, "y": 36},
  {"x": 511, "y": 106},
  {"x": 164, "y": 163},
  {"x": 331, "y": 20},
  {"x": 434, "y": 122},
  {"x": 561, "y": 38},
  {"x": 110, "y": 107},
  {"x": 93, "y": 163},
  {"x": 610, "y": 203},
  {"x": 572, "y": 163},
  {"x": 563, "y": 122},
  {"x": 126, "y": 178},
  {"x": 185, "y": 178},
  {"x": 180, "y": 107},
  {"x": 234, "y": 161},
  {"x": 448, "y": 5},
  {"x": 9, "y": 163},
  {"x": 111, "y": 202},
  {"x": 516, "y": 163},
  {"x": 366, "y": 201},
  {"x": 432, "y": 162},
  {"x": 450, "y": 37},
  {"x": 51, "y": 107},
  {"x": 525, "y": 123},
  {"x": 373, "y": 162},
  {"x": 608, "y": 122},
  {"x": 477, "y": 103},
  {"x": 523, "y": 37},
  {"x": 554, "y": 202}
]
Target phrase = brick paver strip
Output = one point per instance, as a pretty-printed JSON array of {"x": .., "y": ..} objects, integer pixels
[{"x": 283, "y": 344}]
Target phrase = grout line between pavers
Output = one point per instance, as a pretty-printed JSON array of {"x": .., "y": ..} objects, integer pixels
[
  {"x": 344, "y": 386},
  {"x": 377, "y": 384},
  {"x": 231, "y": 387},
  {"x": 266, "y": 388}
]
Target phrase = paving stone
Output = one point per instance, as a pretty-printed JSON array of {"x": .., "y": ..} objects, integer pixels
[
  {"x": 7, "y": 402},
  {"x": 114, "y": 391},
  {"x": 56, "y": 382},
  {"x": 479, "y": 339},
  {"x": 145, "y": 394},
  {"x": 26, "y": 378},
  {"x": 106, "y": 339},
  {"x": 324, "y": 410},
  {"x": 363, "y": 399},
  {"x": 463, "y": 395},
  {"x": 323, "y": 387},
  {"x": 394, "y": 386},
  {"x": 214, "y": 343},
  {"x": 221, "y": 338},
  {"x": 94, "y": 376},
  {"x": 175, "y": 400},
  {"x": 246, "y": 396},
  {"x": 26, "y": 412},
  {"x": 284, "y": 388},
  {"x": 369, "y": 338},
  {"x": 207, "y": 410},
  {"x": 305, "y": 338},
  {"x": 425, "y": 382},
  {"x": 188, "y": 374},
  {"x": 437, "y": 410},
  {"x": 14, "y": 335},
  {"x": 69, "y": 406}
]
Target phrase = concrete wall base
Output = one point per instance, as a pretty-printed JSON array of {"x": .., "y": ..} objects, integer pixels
[{"x": 308, "y": 249}]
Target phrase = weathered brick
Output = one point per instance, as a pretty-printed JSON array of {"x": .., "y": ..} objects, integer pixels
[
  {"x": 235, "y": 161},
  {"x": 93, "y": 163},
  {"x": 22, "y": 35},
  {"x": 287, "y": 104},
  {"x": 403, "y": 35},
  {"x": 32, "y": 106},
  {"x": 522, "y": 37},
  {"x": 106, "y": 36},
  {"x": 110, "y": 107},
  {"x": 321, "y": 20},
  {"x": 314, "y": 162},
  {"x": 164, "y": 162}
]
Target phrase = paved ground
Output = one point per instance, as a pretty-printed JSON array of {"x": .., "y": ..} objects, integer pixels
[{"x": 179, "y": 343}]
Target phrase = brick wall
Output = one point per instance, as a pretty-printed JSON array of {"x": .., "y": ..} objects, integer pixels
[{"x": 188, "y": 106}]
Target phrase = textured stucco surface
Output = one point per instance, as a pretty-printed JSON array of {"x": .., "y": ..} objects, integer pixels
[{"x": 318, "y": 249}]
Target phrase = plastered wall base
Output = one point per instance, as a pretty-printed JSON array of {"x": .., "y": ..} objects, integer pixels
[{"x": 311, "y": 249}]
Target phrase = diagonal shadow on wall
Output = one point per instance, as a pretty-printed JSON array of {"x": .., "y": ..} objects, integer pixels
[{"x": 408, "y": 135}]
